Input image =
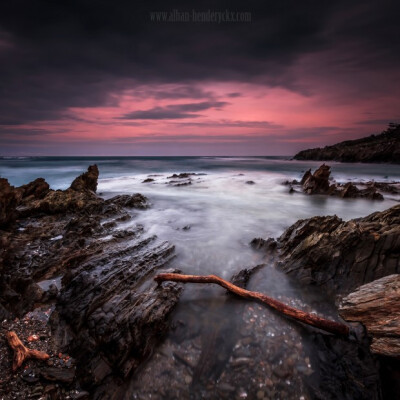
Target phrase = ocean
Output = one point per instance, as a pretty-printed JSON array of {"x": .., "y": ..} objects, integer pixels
[{"x": 212, "y": 221}]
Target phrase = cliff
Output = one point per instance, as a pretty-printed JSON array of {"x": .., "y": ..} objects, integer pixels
[{"x": 382, "y": 148}]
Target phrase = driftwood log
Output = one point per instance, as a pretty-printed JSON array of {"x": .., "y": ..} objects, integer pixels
[
  {"x": 309, "y": 319},
  {"x": 22, "y": 353}
]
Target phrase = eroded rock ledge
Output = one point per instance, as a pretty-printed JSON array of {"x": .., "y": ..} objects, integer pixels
[
  {"x": 342, "y": 255},
  {"x": 108, "y": 314}
]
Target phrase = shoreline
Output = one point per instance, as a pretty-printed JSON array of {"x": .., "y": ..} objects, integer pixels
[{"x": 88, "y": 226}]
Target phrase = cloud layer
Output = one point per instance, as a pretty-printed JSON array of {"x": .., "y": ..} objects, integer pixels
[{"x": 78, "y": 71}]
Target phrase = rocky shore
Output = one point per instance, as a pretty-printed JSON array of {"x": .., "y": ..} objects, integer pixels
[
  {"x": 76, "y": 283},
  {"x": 103, "y": 315},
  {"x": 357, "y": 264},
  {"x": 382, "y": 148}
]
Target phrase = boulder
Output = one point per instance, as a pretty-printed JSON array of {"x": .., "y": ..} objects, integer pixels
[
  {"x": 318, "y": 182},
  {"x": 377, "y": 306},
  {"x": 86, "y": 181}
]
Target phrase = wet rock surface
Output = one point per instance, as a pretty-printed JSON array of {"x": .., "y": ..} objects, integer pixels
[
  {"x": 383, "y": 148},
  {"x": 51, "y": 379},
  {"x": 72, "y": 252},
  {"x": 247, "y": 351},
  {"x": 320, "y": 182},
  {"x": 338, "y": 257},
  {"x": 107, "y": 313},
  {"x": 342, "y": 255}
]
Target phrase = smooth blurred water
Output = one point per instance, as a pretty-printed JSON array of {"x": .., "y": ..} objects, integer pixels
[
  {"x": 212, "y": 221},
  {"x": 222, "y": 212}
]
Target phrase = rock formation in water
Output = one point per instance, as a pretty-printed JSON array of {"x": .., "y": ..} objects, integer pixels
[
  {"x": 382, "y": 148},
  {"x": 319, "y": 182},
  {"x": 342, "y": 255},
  {"x": 106, "y": 315}
]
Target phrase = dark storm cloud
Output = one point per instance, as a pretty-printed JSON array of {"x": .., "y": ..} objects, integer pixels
[
  {"x": 57, "y": 55},
  {"x": 174, "y": 111}
]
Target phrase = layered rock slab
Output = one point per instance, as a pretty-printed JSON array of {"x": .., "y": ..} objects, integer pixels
[
  {"x": 377, "y": 306},
  {"x": 341, "y": 255}
]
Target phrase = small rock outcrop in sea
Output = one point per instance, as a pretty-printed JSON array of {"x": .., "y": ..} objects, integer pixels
[
  {"x": 108, "y": 313},
  {"x": 383, "y": 148},
  {"x": 377, "y": 306},
  {"x": 342, "y": 255},
  {"x": 86, "y": 181},
  {"x": 319, "y": 182}
]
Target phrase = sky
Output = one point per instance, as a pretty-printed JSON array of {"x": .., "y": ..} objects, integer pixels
[{"x": 141, "y": 78}]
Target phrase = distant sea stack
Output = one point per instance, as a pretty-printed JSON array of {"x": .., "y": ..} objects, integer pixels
[{"x": 382, "y": 148}]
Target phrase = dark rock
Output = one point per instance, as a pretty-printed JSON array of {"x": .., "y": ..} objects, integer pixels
[
  {"x": 339, "y": 255},
  {"x": 37, "y": 189},
  {"x": 318, "y": 182},
  {"x": 131, "y": 201},
  {"x": 261, "y": 244},
  {"x": 109, "y": 315},
  {"x": 8, "y": 202},
  {"x": 338, "y": 359},
  {"x": 86, "y": 181},
  {"x": 306, "y": 175},
  {"x": 148, "y": 180},
  {"x": 65, "y": 375},
  {"x": 250, "y": 182},
  {"x": 351, "y": 191},
  {"x": 182, "y": 175},
  {"x": 383, "y": 148}
]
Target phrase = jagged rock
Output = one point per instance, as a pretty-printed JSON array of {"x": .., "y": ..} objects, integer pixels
[
  {"x": 259, "y": 243},
  {"x": 131, "y": 201},
  {"x": 351, "y": 191},
  {"x": 107, "y": 314},
  {"x": 305, "y": 177},
  {"x": 339, "y": 255},
  {"x": 318, "y": 182},
  {"x": 86, "y": 181},
  {"x": 37, "y": 189},
  {"x": 377, "y": 306},
  {"x": 8, "y": 202},
  {"x": 383, "y": 148}
]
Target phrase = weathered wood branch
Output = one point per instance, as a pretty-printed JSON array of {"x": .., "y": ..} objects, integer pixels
[
  {"x": 309, "y": 319},
  {"x": 22, "y": 353}
]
